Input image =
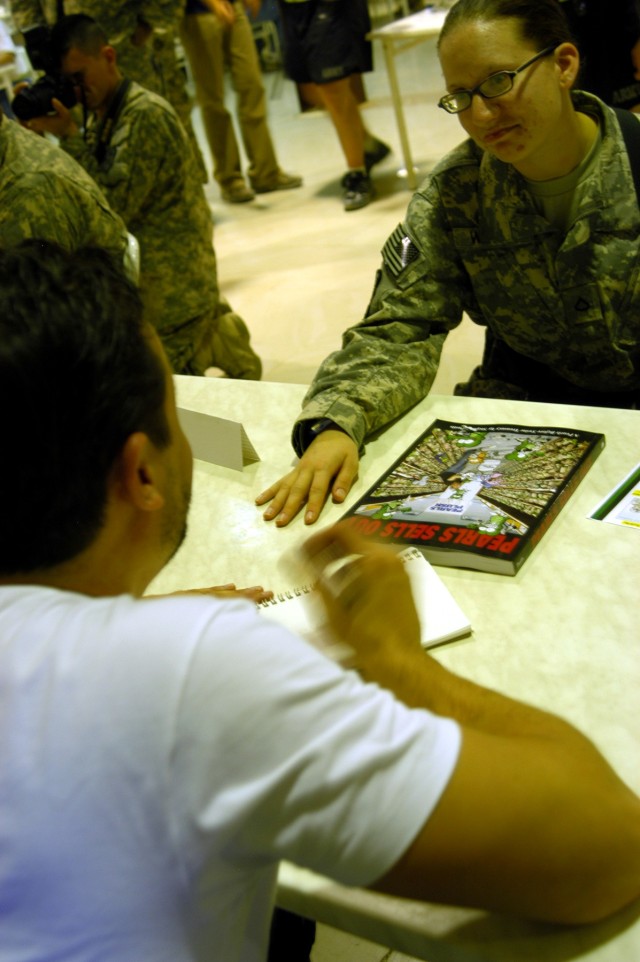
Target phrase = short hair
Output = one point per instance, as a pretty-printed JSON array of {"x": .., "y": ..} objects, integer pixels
[
  {"x": 78, "y": 375},
  {"x": 541, "y": 21},
  {"x": 76, "y": 30}
]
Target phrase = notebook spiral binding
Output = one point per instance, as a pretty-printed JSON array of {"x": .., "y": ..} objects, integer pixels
[
  {"x": 407, "y": 555},
  {"x": 287, "y": 595}
]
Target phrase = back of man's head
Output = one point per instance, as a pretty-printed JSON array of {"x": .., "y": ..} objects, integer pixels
[
  {"x": 79, "y": 31},
  {"x": 78, "y": 375}
]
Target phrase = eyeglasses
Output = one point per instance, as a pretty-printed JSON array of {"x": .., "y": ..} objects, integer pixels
[{"x": 496, "y": 85}]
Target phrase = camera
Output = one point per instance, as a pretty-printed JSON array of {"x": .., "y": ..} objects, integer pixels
[{"x": 35, "y": 101}]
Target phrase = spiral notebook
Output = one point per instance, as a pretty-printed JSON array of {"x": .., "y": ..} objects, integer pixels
[{"x": 441, "y": 618}]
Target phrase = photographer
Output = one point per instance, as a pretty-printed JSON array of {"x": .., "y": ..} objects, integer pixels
[
  {"x": 137, "y": 150},
  {"x": 141, "y": 31}
]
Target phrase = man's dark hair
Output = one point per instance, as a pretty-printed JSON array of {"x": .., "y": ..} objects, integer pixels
[
  {"x": 76, "y": 30},
  {"x": 78, "y": 375}
]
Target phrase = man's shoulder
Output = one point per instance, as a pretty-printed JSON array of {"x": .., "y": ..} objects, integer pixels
[
  {"x": 28, "y": 156},
  {"x": 140, "y": 100},
  {"x": 149, "y": 116},
  {"x": 150, "y": 140}
]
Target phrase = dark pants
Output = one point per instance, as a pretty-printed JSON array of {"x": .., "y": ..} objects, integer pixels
[
  {"x": 507, "y": 375},
  {"x": 291, "y": 938}
]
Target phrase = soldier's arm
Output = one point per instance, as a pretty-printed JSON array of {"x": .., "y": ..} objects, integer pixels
[{"x": 387, "y": 364}]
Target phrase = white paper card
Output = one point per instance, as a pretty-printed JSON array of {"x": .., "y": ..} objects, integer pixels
[{"x": 217, "y": 440}]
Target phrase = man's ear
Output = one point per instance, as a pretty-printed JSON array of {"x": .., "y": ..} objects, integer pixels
[
  {"x": 109, "y": 54},
  {"x": 138, "y": 473}
]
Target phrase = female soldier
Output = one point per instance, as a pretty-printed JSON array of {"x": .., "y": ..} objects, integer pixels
[{"x": 531, "y": 226}]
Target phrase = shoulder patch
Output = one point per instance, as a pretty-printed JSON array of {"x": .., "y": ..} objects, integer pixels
[{"x": 399, "y": 251}]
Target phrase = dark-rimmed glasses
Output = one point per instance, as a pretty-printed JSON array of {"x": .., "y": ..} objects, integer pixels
[{"x": 496, "y": 85}]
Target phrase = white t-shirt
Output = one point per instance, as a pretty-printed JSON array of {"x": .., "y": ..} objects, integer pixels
[{"x": 158, "y": 758}]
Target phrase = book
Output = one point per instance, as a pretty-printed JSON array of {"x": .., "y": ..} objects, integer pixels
[
  {"x": 441, "y": 618},
  {"x": 476, "y": 495},
  {"x": 622, "y": 505}
]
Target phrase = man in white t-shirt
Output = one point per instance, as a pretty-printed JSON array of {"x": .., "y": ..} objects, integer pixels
[{"x": 148, "y": 792}]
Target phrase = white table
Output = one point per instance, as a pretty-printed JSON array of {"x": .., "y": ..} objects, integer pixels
[
  {"x": 564, "y": 634},
  {"x": 395, "y": 38}
]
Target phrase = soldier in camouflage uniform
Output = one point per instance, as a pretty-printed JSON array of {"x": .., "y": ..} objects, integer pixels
[
  {"x": 137, "y": 150},
  {"x": 532, "y": 227},
  {"x": 44, "y": 194},
  {"x": 143, "y": 34}
]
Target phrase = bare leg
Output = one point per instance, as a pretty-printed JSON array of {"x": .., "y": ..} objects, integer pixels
[{"x": 342, "y": 106}]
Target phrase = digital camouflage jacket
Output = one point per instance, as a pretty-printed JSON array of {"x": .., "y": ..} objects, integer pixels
[
  {"x": 45, "y": 194},
  {"x": 473, "y": 242}
]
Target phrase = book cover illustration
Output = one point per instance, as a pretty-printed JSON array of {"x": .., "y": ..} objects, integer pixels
[{"x": 477, "y": 496}]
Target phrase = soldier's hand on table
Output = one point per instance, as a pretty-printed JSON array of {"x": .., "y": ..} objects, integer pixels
[
  {"x": 62, "y": 125},
  {"x": 256, "y": 593},
  {"x": 328, "y": 466}
]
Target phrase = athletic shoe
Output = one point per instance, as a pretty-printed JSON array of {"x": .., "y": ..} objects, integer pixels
[
  {"x": 237, "y": 193},
  {"x": 282, "y": 182},
  {"x": 377, "y": 154},
  {"x": 356, "y": 189}
]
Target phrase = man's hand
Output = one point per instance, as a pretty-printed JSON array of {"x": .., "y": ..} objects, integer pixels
[
  {"x": 369, "y": 603},
  {"x": 330, "y": 463},
  {"x": 253, "y": 7},
  {"x": 257, "y": 593},
  {"x": 223, "y": 9},
  {"x": 533, "y": 820},
  {"x": 62, "y": 125}
]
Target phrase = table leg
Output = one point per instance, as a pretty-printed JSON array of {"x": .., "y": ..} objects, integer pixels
[{"x": 399, "y": 112}]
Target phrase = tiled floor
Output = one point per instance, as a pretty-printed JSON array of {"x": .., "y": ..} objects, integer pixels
[
  {"x": 300, "y": 270},
  {"x": 294, "y": 264}
]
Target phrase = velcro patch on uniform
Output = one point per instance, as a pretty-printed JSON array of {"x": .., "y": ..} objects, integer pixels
[{"x": 399, "y": 251}]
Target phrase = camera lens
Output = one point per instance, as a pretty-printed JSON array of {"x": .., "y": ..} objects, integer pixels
[{"x": 35, "y": 101}]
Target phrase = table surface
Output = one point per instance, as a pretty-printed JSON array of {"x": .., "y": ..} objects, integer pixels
[{"x": 563, "y": 634}]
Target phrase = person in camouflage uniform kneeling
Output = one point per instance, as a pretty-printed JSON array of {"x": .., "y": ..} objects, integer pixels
[{"x": 136, "y": 149}]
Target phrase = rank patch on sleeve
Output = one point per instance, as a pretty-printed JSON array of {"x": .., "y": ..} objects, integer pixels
[{"x": 399, "y": 251}]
